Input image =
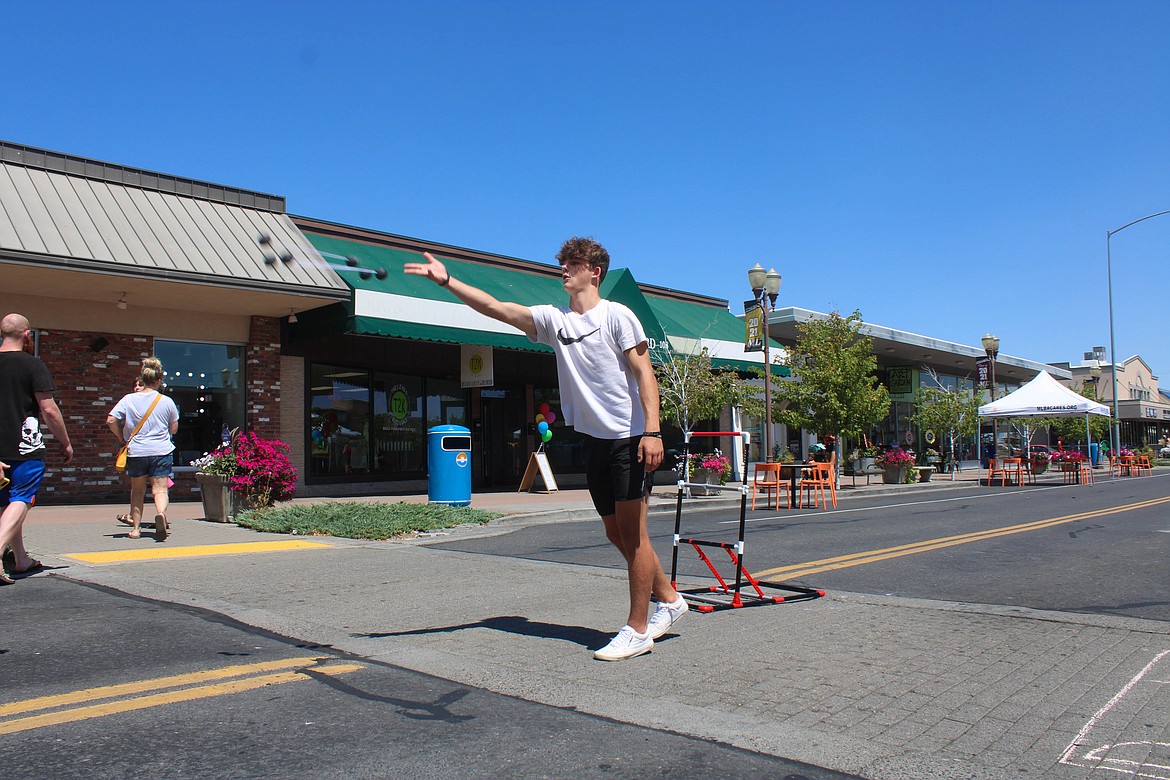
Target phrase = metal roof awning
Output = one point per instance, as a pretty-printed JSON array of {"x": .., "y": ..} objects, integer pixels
[{"x": 73, "y": 214}]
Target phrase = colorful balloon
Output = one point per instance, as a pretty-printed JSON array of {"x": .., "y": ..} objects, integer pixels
[
  {"x": 540, "y": 418},
  {"x": 542, "y": 427},
  {"x": 551, "y": 417},
  {"x": 544, "y": 408},
  {"x": 546, "y": 436}
]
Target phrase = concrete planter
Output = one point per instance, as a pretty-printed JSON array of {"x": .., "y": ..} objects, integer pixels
[
  {"x": 893, "y": 475},
  {"x": 704, "y": 477},
  {"x": 220, "y": 504}
]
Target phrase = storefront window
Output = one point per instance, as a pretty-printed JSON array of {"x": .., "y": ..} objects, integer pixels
[
  {"x": 339, "y": 412},
  {"x": 363, "y": 422},
  {"x": 446, "y": 403},
  {"x": 398, "y": 435},
  {"x": 206, "y": 382}
]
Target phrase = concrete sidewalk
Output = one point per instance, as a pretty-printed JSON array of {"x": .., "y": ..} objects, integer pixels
[{"x": 880, "y": 687}]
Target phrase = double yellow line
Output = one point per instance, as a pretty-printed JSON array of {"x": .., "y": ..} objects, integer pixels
[
  {"x": 873, "y": 556},
  {"x": 185, "y": 687}
]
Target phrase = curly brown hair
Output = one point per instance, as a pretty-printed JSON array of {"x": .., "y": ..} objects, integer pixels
[{"x": 584, "y": 250}]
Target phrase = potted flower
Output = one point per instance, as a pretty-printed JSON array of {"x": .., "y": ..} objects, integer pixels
[
  {"x": 708, "y": 468},
  {"x": 1038, "y": 461},
  {"x": 896, "y": 465},
  {"x": 865, "y": 459},
  {"x": 1067, "y": 460},
  {"x": 247, "y": 472}
]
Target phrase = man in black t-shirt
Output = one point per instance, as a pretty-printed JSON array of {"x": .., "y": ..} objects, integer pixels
[{"x": 26, "y": 399}]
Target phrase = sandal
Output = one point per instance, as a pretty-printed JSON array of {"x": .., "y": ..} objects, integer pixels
[
  {"x": 5, "y": 579},
  {"x": 125, "y": 520},
  {"x": 135, "y": 534},
  {"x": 35, "y": 566},
  {"x": 160, "y": 527}
]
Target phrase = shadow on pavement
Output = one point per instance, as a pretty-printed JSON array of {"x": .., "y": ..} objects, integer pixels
[{"x": 514, "y": 624}]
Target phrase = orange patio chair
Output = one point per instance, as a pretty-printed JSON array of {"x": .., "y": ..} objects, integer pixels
[
  {"x": 766, "y": 480},
  {"x": 1000, "y": 468},
  {"x": 816, "y": 479}
]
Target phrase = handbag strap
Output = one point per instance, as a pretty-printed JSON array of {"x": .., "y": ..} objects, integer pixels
[{"x": 138, "y": 427}]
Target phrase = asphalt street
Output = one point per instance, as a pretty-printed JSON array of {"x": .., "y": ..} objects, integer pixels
[
  {"x": 138, "y": 690},
  {"x": 1055, "y": 547},
  {"x": 499, "y": 623}
]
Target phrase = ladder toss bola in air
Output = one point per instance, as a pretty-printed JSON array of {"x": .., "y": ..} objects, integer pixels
[
  {"x": 284, "y": 255},
  {"x": 723, "y": 595}
]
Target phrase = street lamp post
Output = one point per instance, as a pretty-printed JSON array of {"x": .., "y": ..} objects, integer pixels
[
  {"x": 1115, "y": 441},
  {"x": 991, "y": 347},
  {"x": 765, "y": 287}
]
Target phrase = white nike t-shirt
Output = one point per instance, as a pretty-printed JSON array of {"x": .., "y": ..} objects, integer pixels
[{"x": 599, "y": 395}]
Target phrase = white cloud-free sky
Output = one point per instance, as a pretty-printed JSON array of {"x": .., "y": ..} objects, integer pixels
[{"x": 948, "y": 168}]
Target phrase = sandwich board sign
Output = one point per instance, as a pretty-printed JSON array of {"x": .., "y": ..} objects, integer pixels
[{"x": 538, "y": 465}]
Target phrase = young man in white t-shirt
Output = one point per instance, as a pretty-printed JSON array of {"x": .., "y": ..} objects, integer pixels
[{"x": 608, "y": 394}]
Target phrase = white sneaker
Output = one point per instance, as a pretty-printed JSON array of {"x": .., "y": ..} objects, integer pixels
[
  {"x": 627, "y": 644},
  {"x": 664, "y": 617}
]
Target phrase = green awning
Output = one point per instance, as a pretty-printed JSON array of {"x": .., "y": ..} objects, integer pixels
[{"x": 411, "y": 307}]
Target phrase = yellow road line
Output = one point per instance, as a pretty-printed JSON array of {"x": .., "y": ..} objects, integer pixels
[
  {"x": 160, "y": 553},
  {"x": 171, "y": 697},
  {"x": 158, "y": 683},
  {"x": 873, "y": 556}
]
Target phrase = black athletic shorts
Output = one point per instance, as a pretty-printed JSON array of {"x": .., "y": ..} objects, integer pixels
[{"x": 614, "y": 473}]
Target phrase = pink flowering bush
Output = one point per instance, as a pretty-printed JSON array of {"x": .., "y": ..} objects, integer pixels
[
  {"x": 714, "y": 461},
  {"x": 1067, "y": 456},
  {"x": 895, "y": 458},
  {"x": 256, "y": 468}
]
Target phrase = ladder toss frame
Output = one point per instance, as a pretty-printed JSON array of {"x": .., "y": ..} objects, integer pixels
[{"x": 723, "y": 596}]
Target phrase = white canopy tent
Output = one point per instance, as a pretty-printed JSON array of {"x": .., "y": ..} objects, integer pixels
[{"x": 1044, "y": 397}]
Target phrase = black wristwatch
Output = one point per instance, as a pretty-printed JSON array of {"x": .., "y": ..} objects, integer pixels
[{"x": 653, "y": 434}]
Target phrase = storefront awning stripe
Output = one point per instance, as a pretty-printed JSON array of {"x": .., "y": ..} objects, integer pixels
[
  {"x": 375, "y": 326},
  {"x": 690, "y": 327}
]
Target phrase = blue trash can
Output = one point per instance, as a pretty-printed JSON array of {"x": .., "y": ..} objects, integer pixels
[
  {"x": 1094, "y": 453},
  {"x": 449, "y": 465}
]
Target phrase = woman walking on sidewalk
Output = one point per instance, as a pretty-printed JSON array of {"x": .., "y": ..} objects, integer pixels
[{"x": 146, "y": 421}]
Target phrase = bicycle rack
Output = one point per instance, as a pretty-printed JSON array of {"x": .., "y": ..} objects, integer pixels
[{"x": 723, "y": 596}]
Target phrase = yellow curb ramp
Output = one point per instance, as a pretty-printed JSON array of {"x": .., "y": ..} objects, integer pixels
[{"x": 194, "y": 551}]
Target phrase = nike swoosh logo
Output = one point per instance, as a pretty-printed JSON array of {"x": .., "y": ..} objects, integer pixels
[{"x": 561, "y": 337}]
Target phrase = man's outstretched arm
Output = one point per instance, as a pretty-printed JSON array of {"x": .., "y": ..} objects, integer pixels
[{"x": 514, "y": 314}]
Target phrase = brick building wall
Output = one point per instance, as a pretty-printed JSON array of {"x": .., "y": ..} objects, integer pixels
[
  {"x": 263, "y": 372},
  {"x": 91, "y": 377}
]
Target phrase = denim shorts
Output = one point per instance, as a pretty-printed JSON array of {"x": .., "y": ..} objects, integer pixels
[
  {"x": 156, "y": 466},
  {"x": 25, "y": 476}
]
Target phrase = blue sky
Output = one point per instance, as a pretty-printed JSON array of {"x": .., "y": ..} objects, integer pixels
[{"x": 948, "y": 168}]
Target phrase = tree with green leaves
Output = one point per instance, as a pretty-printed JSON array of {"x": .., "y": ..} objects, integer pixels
[
  {"x": 834, "y": 390},
  {"x": 690, "y": 390},
  {"x": 953, "y": 413}
]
